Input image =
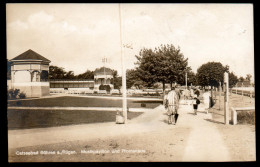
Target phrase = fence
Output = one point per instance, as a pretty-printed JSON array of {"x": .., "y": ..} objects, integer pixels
[{"x": 245, "y": 91}]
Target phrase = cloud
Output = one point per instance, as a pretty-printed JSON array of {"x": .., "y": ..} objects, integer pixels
[
  {"x": 18, "y": 25},
  {"x": 40, "y": 20}
]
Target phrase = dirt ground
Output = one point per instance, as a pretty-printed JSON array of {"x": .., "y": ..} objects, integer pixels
[
  {"x": 240, "y": 139},
  {"x": 201, "y": 137},
  {"x": 149, "y": 144}
]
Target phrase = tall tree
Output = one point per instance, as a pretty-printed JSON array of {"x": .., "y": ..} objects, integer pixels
[
  {"x": 210, "y": 74},
  {"x": 192, "y": 78},
  {"x": 117, "y": 81},
  {"x": 86, "y": 75},
  {"x": 69, "y": 75},
  {"x": 133, "y": 79},
  {"x": 146, "y": 64},
  {"x": 232, "y": 79},
  {"x": 56, "y": 72},
  {"x": 166, "y": 64}
]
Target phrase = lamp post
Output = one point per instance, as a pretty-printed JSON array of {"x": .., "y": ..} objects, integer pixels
[{"x": 123, "y": 71}]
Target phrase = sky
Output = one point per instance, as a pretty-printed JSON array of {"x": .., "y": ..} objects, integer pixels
[{"x": 77, "y": 36}]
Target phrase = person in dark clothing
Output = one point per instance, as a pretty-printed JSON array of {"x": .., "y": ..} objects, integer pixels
[
  {"x": 196, "y": 102},
  {"x": 197, "y": 92}
]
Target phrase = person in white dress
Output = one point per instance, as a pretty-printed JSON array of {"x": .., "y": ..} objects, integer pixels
[
  {"x": 206, "y": 101},
  {"x": 173, "y": 105}
]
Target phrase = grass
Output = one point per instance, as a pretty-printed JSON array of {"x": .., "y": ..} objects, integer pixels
[
  {"x": 234, "y": 101},
  {"x": 246, "y": 117},
  {"x": 69, "y": 101},
  {"x": 24, "y": 119}
]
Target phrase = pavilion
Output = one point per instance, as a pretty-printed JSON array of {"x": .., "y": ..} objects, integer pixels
[
  {"x": 103, "y": 76},
  {"x": 29, "y": 73}
]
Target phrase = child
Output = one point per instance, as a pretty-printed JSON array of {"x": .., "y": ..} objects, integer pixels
[{"x": 196, "y": 102}]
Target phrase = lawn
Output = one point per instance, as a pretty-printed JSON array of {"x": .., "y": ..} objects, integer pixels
[
  {"x": 24, "y": 119},
  {"x": 69, "y": 101}
]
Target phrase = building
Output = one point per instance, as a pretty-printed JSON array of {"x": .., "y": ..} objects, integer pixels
[
  {"x": 103, "y": 76},
  {"x": 245, "y": 83},
  {"x": 67, "y": 84},
  {"x": 29, "y": 73}
]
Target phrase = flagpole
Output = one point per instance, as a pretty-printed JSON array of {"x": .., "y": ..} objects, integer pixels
[{"x": 123, "y": 71}]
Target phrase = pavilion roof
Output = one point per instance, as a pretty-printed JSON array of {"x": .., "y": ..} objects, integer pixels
[
  {"x": 103, "y": 70},
  {"x": 30, "y": 55}
]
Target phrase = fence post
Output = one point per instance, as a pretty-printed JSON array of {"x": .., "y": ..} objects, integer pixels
[
  {"x": 236, "y": 88},
  {"x": 242, "y": 90},
  {"x": 219, "y": 89},
  {"x": 226, "y": 101}
]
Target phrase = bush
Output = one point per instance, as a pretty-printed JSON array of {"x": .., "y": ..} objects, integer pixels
[
  {"x": 12, "y": 94},
  {"x": 246, "y": 117},
  {"x": 22, "y": 95},
  {"x": 15, "y": 94},
  {"x": 105, "y": 87}
]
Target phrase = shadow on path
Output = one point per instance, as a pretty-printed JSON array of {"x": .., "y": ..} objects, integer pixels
[{"x": 214, "y": 121}]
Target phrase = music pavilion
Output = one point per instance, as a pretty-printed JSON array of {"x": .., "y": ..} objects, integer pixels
[{"x": 29, "y": 73}]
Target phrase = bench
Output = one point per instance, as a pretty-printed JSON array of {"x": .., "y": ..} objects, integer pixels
[{"x": 234, "y": 113}]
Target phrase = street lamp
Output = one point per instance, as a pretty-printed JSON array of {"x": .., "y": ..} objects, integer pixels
[{"x": 123, "y": 71}]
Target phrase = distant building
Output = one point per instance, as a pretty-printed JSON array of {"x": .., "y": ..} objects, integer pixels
[
  {"x": 29, "y": 73},
  {"x": 103, "y": 76},
  {"x": 66, "y": 84},
  {"x": 243, "y": 84}
]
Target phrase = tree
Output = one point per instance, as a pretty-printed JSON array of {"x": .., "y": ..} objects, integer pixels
[
  {"x": 117, "y": 82},
  {"x": 241, "y": 79},
  {"x": 191, "y": 78},
  {"x": 86, "y": 75},
  {"x": 69, "y": 75},
  {"x": 132, "y": 79},
  {"x": 248, "y": 77},
  {"x": 173, "y": 63},
  {"x": 232, "y": 79},
  {"x": 56, "y": 72},
  {"x": 165, "y": 64},
  {"x": 146, "y": 64},
  {"x": 8, "y": 69},
  {"x": 210, "y": 74}
]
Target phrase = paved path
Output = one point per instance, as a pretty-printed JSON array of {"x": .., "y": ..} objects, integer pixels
[{"x": 204, "y": 142}]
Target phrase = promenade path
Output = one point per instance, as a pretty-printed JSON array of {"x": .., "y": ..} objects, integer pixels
[{"x": 204, "y": 141}]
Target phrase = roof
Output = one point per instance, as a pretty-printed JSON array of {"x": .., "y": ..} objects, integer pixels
[
  {"x": 30, "y": 55},
  {"x": 103, "y": 70}
]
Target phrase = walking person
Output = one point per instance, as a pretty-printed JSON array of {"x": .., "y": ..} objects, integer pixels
[
  {"x": 206, "y": 100},
  {"x": 196, "y": 102},
  {"x": 186, "y": 94},
  {"x": 173, "y": 105},
  {"x": 197, "y": 92}
]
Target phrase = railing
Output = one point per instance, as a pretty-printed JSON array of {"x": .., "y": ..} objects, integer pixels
[
  {"x": 65, "y": 80},
  {"x": 249, "y": 93}
]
